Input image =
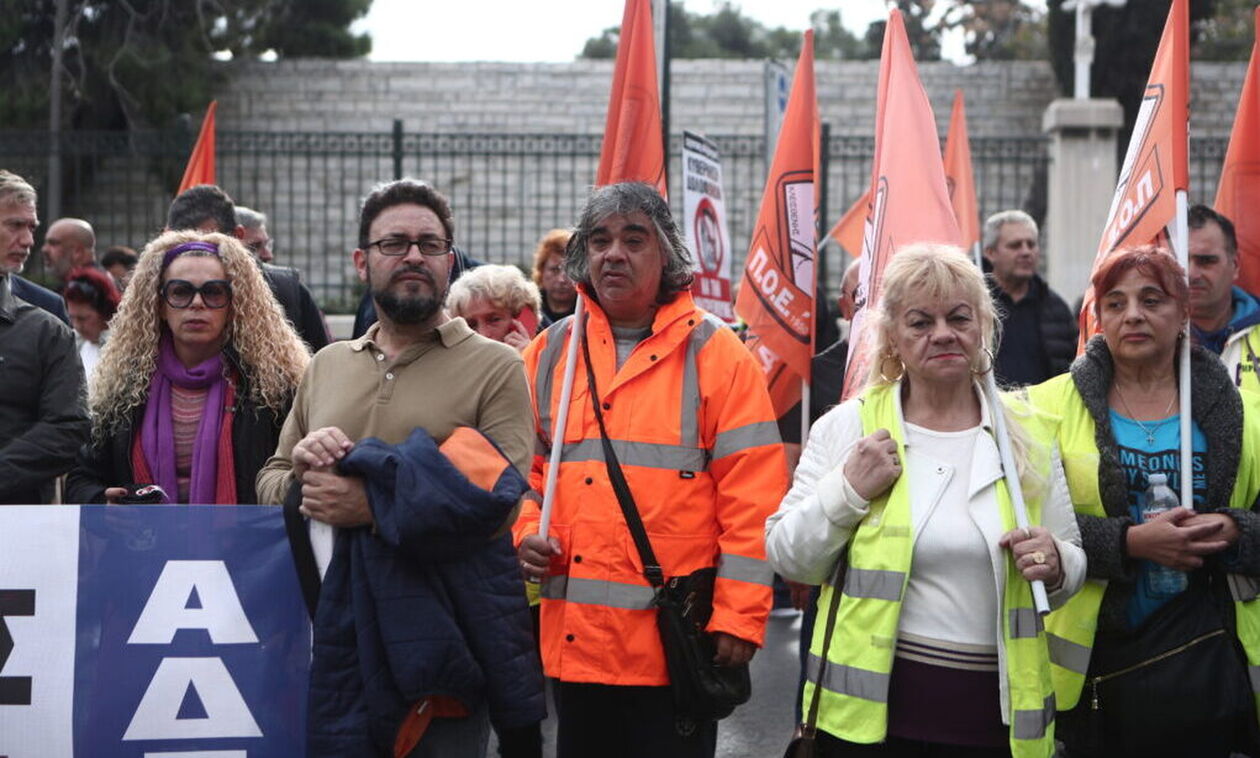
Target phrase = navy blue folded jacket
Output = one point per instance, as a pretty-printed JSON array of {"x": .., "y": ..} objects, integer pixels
[{"x": 430, "y": 604}]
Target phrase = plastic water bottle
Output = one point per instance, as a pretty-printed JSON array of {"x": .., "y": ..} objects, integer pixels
[{"x": 1161, "y": 580}]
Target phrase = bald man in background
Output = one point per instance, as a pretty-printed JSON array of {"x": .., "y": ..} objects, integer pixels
[{"x": 69, "y": 244}]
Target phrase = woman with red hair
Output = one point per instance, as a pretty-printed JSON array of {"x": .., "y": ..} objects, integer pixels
[
  {"x": 91, "y": 300},
  {"x": 1151, "y": 657}
]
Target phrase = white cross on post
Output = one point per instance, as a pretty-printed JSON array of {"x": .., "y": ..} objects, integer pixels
[{"x": 1083, "y": 54}]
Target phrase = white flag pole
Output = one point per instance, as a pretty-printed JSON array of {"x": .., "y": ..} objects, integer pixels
[
  {"x": 1181, "y": 246},
  {"x": 562, "y": 417},
  {"x": 1041, "y": 601}
]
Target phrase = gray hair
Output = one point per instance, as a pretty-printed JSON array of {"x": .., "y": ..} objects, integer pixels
[
  {"x": 993, "y": 226},
  {"x": 502, "y": 286},
  {"x": 14, "y": 190},
  {"x": 249, "y": 218},
  {"x": 621, "y": 200}
]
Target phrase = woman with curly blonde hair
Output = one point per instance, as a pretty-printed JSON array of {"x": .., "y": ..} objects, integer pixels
[
  {"x": 492, "y": 300},
  {"x": 196, "y": 380}
]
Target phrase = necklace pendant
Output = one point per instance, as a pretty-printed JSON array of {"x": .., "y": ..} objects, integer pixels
[{"x": 1150, "y": 438}]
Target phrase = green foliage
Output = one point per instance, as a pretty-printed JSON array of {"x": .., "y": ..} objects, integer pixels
[
  {"x": 994, "y": 29},
  {"x": 141, "y": 63},
  {"x": 728, "y": 33},
  {"x": 999, "y": 30},
  {"x": 1228, "y": 35}
]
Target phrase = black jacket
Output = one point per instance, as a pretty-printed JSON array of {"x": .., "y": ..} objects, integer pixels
[
  {"x": 1056, "y": 327},
  {"x": 298, "y": 304},
  {"x": 255, "y": 432},
  {"x": 43, "y": 417},
  {"x": 40, "y": 297}
]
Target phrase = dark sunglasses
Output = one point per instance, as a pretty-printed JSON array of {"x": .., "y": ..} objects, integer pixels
[{"x": 178, "y": 293}]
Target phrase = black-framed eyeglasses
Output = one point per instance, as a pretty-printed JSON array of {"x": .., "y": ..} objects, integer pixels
[
  {"x": 179, "y": 293},
  {"x": 401, "y": 245}
]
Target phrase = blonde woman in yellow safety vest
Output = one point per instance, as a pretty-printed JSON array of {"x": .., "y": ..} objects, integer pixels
[
  {"x": 1159, "y": 654},
  {"x": 936, "y": 648}
]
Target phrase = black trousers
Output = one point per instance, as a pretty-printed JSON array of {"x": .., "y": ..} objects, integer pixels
[
  {"x": 895, "y": 747},
  {"x": 626, "y": 722}
]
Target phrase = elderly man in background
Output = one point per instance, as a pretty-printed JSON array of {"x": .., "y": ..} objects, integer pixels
[
  {"x": 687, "y": 413},
  {"x": 1038, "y": 330},
  {"x": 69, "y": 244},
  {"x": 43, "y": 418}
]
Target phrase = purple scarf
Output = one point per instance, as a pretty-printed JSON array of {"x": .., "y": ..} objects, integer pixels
[{"x": 157, "y": 432}]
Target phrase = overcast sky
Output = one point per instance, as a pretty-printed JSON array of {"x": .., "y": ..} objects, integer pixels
[{"x": 546, "y": 30}]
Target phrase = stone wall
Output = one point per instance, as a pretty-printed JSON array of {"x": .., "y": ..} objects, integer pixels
[{"x": 714, "y": 96}]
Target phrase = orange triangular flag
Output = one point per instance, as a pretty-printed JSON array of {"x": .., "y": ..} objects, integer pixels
[
  {"x": 1238, "y": 194},
  {"x": 909, "y": 198},
  {"x": 632, "y": 149},
  {"x": 958, "y": 175},
  {"x": 848, "y": 230},
  {"x": 776, "y": 294},
  {"x": 200, "y": 168},
  {"x": 1156, "y": 164}
]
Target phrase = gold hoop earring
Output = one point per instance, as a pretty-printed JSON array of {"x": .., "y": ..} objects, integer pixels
[
  {"x": 901, "y": 367},
  {"x": 981, "y": 372}
]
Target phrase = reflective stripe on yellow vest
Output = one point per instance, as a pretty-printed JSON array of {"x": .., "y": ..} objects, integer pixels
[
  {"x": 1070, "y": 629},
  {"x": 854, "y": 689}
]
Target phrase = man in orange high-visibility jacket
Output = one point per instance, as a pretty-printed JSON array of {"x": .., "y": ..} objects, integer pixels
[{"x": 686, "y": 408}]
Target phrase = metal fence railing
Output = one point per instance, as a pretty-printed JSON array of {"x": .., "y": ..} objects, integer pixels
[{"x": 506, "y": 189}]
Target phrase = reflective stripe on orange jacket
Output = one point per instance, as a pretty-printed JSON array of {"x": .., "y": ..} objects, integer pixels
[{"x": 692, "y": 426}]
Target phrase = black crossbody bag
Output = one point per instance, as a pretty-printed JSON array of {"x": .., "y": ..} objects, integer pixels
[{"x": 702, "y": 690}]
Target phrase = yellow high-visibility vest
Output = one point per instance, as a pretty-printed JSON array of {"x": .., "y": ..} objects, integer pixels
[{"x": 854, "y": 690}]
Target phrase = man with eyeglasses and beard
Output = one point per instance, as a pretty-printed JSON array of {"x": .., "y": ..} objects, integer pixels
[{"x": 446, "y": 629}]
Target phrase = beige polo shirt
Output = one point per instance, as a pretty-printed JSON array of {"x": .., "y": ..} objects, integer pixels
[{"x": 452, "y": 377}]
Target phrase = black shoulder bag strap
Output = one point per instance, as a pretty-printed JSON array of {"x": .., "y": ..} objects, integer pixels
[
  {"x": 651, "y": 568},
  {"x": 811, "y": 721},
  {"x": 300, "y": 545}
]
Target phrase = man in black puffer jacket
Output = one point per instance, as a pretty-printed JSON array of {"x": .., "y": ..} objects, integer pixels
[{"x": 1038, "y": 330}]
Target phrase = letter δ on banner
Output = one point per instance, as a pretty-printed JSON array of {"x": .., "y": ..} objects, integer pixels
[
  {"x": 704, "y": 222},
  {"x": 633, "y": 150},
  {"x": 776, "y": 295},
  {"x": 1156, "y": 165},
  {"x": 1238, "y": 194},
  {"x": 909, "y": 201},
  {"x": 200, "y": 168}
]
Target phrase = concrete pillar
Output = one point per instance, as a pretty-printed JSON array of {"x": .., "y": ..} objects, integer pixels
[{"x": 1082, "y": 180}]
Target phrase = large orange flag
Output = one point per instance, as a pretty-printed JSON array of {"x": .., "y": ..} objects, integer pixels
[
  {"x": 200, "y": 168},
  {"x": 632, "y": 149},
  {"x": 848, "y": 230},
  {"x": 1238, "y": 194},
  {"x": 776, "y": 294},
  {"x": 958, "y": 175},
  {"x": 909, "y": 197},
  {"x": 1156, "y": 164}
]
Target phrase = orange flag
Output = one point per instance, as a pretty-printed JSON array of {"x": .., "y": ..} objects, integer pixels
[
  {"x": 1238, "y": 194},
  {"x": 848, "y": 230},
  {"x": 909, "y": 197},
  {"x": 958, "y": 175},
  {"x": 1156, "y": 164},
  {"x": 632, "y": 149},
  {"x": 200, "y": 168},
  {"x": 776, "y": 294}
]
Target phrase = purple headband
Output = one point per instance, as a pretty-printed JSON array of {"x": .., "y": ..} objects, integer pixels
[{"x": 188, "y": 247}]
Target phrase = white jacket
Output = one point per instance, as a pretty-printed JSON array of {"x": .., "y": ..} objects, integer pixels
[{"x": 805, "y": 537}]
